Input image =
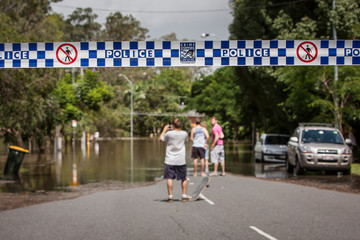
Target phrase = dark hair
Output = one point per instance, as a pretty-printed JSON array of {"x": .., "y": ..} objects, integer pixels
[
  {"x": 177, "y": 123},
  {"x": 197, "y": 121},
  {"x": 213, "y": 117}
]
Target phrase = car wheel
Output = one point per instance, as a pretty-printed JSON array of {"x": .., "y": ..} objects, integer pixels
[
  {"x": 289, "y": 167},
  {"x": 298, "y": 169}
]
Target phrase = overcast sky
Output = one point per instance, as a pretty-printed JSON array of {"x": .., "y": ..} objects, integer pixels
[{"x": 187, "y": 18}]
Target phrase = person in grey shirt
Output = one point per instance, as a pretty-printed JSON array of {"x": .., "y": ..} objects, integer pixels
[
  {"x": 175, "y": 158},
  {"x": 199, "y": 136}
]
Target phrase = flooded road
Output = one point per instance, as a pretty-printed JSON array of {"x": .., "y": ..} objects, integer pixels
[{"x": 110, "y": 162}]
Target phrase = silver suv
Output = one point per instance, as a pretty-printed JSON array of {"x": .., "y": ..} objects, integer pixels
[{"x": 315, "y": 146}]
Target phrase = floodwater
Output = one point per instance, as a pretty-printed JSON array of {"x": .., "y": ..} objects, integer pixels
[{"x": 111, "y": 162}]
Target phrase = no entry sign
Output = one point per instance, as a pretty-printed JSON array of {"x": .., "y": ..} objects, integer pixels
[
  {"x": 180, "y": 53},
  {"x": 307, "y": 52},
  {"x": 66, "y": 53}
]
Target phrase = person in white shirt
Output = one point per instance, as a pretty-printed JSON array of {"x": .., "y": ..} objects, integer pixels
[{"x": 175, "y": 158}]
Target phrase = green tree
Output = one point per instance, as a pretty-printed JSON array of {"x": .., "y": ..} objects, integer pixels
[
  {"x": 34, "y": 101},
  {"x": 81, "y": 26},
  {"x": 216, "y": 94},
  {"x": 123, "y": 28},
  {"x": 328, "y": 98},
  {"x": 307, "y": 91},
  {"x": 162, "y": 96},
  {"x": 86, "y": 94},
  {"x": 26, "y": 107},
  {"x": 175, "y": 81}
]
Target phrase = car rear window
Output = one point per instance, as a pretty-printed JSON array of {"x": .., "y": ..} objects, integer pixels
[
  {"x": 276, "y": 140},
  {"x": 321, "y": 136}
]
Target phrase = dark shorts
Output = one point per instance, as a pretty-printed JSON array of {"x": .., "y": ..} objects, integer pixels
[
  {"x": 198, "y": 152},
  {"x": 171, "y": 171}
]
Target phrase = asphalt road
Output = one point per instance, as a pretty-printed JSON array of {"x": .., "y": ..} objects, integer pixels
[{"x": 234, "y": 208}]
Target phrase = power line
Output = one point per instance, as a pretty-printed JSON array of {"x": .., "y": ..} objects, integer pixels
[
  {"x": 153, "y": 11},
  {"x": 274, "y": 5},
  {"x": 189, "y": 11}
]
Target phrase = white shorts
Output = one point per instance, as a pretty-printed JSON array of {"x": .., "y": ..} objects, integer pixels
[{"x": 218, "y": 154}]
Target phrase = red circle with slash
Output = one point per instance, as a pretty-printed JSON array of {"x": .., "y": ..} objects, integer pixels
[
  {"x": 307, "y": 52},
  {"x": 66, "y": 53}
]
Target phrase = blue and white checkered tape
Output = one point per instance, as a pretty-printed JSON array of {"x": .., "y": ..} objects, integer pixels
[{"x": 180, "y": 53}]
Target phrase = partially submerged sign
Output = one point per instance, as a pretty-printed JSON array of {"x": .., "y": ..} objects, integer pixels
[{"x": 180, "y": 53}]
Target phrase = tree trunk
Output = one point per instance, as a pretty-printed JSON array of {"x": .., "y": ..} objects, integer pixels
[
  {"x": 253, "y": 135},
  {"x": 19, "y": 140},
  {"x": 48, "y": 144},
  {"x": 236, "y": 130}
]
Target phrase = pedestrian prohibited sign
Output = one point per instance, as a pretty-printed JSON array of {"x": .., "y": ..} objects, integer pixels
[
  {"x": 307, "y": 52},
  {"x": 66, "y": 53}
]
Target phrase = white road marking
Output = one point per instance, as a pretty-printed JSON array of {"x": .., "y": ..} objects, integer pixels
[
  {"x": 262, "y": 233},
  {"x": 206, "y": 199}
]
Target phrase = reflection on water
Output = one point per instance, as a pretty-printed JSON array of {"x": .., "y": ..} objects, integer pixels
[
  {"x": 100, "y": 162},
  {"x": 275, "y": 170},
  {"x": 110, "y": 161}
]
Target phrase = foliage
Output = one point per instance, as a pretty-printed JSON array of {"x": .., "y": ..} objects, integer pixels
[
  {"x": 123, "y": 28},
  {"x": 34, "y": 101},
  {"x": 86, "y": 93},
  {"x": 81, "y": 26},
  {"x": 300, "y": 93},
  {"x": 175, "y": 81},
  {"x": 27, "y": 109},
  {"x": 162, "y": 97},
  {"x": 216, "y": 95}
]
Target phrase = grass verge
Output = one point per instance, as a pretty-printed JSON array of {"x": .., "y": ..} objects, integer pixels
[{"x": 355, "y": 168}]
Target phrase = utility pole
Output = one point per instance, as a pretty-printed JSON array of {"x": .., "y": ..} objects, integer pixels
[
  {"x": 336, "y": 78},
  {"x": 131, "y": 125}
]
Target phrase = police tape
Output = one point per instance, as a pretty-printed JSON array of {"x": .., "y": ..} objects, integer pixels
[{"x": 180, "y": 53}]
